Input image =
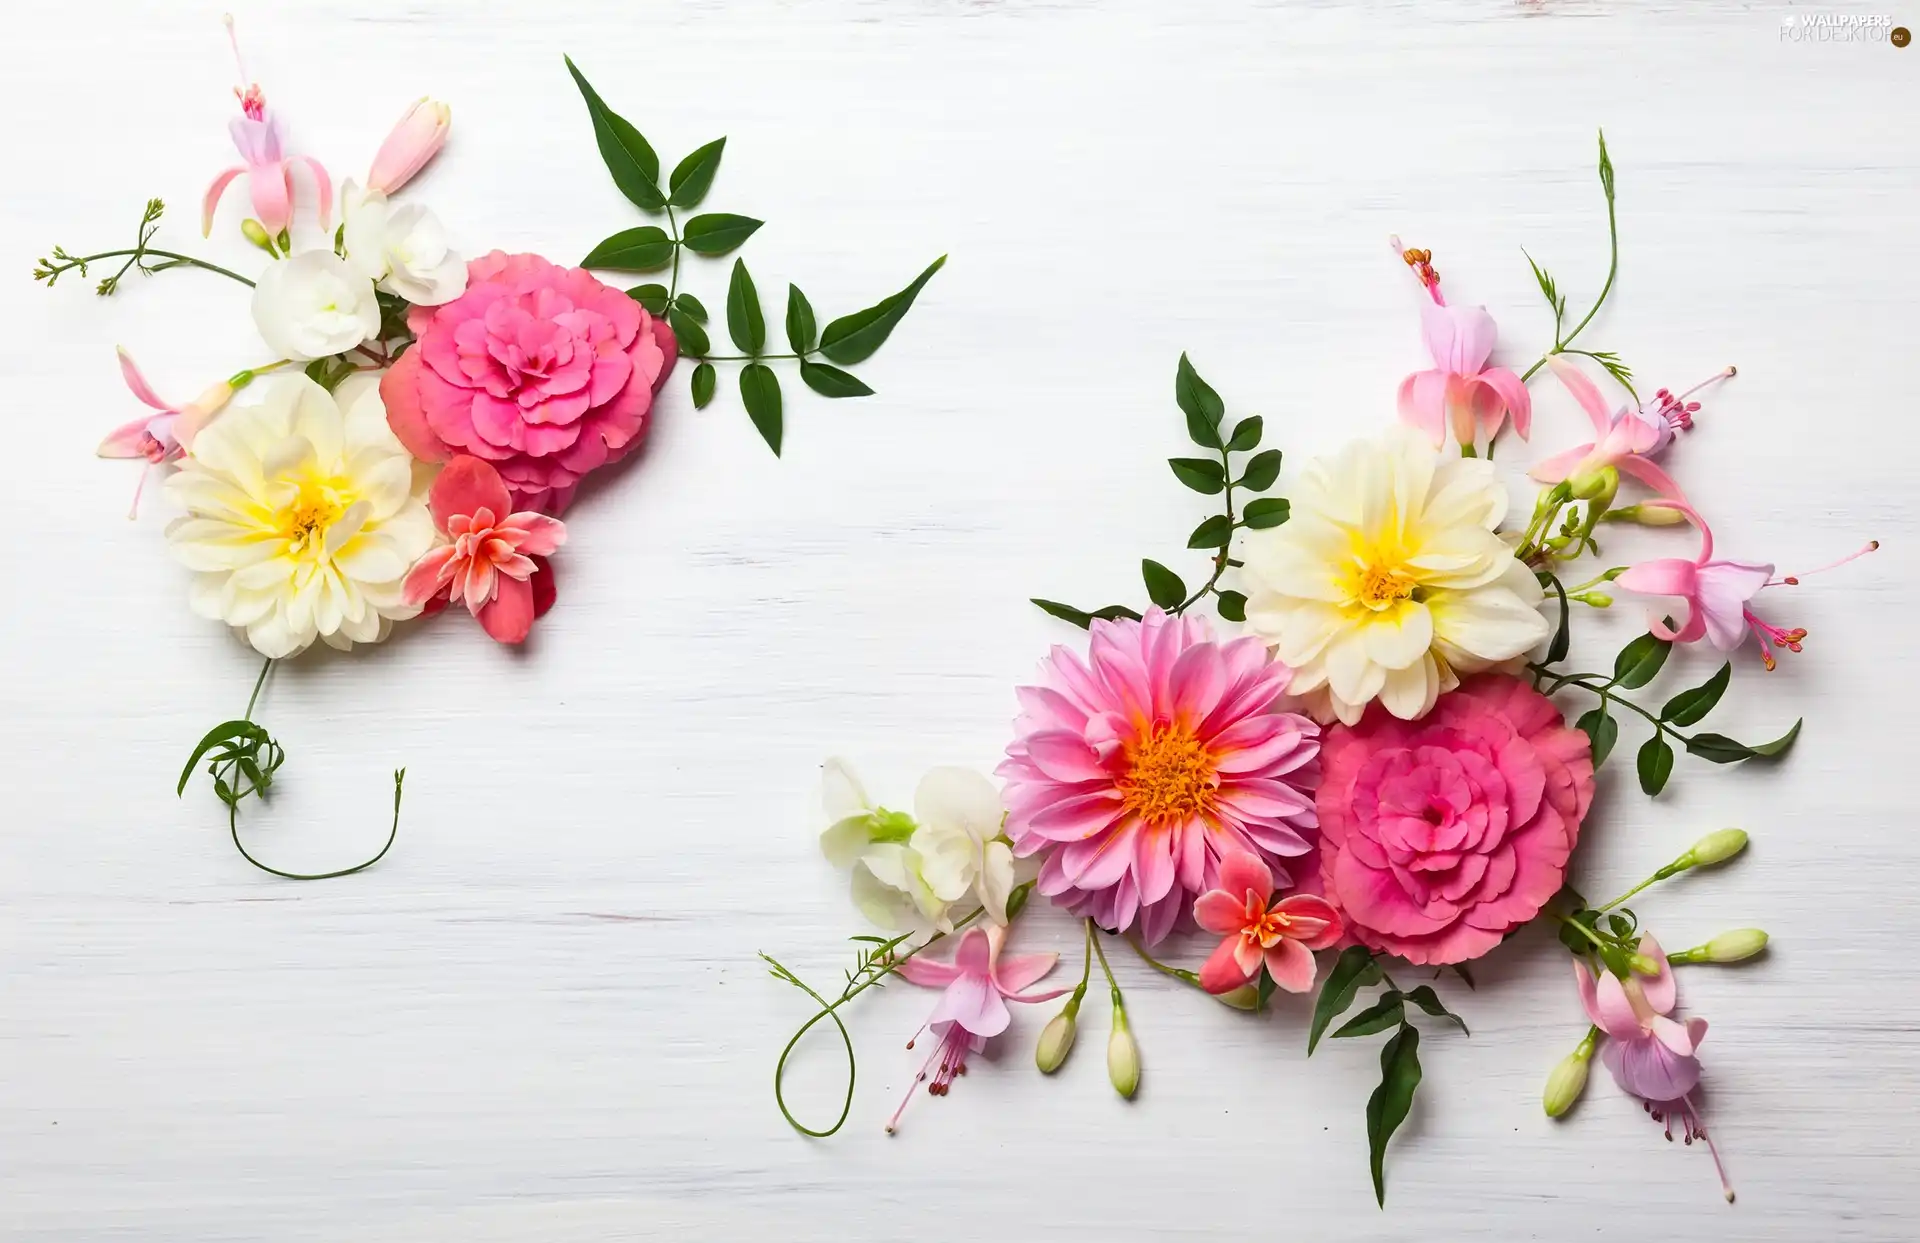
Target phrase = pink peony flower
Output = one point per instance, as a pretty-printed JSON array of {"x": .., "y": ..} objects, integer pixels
[
  {"x": 539, "y": 369},
  {"x": 493, "y": 556},
  {"x": 1282, "y": 936},
  {"x": 1136, "y": 771},
  {"x": 1440, "y": 836}
]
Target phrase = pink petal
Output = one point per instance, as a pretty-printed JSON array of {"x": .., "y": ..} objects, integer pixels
[
  {"x": 1221, "y": 912},
  {"x": 927, "y": 972},
  {"x": 138, "y": 383},
  {"x": 211, "y": 199},
  {"x": 400, "y": 392},
  {"x": 1560, "y": 465},
  {"x": 1664, "y": 576},
  {"x": 322, "y": 183},
  {"x": 1243, "y": 872},
  {"x": 1198, "y": 680},
  {"x": 1722, "y": 595},
  {"x": 429, "y": 575},
  {"x": 975, "y": 953},
  {"x": 1308, "y": 910},
  {"x": 1612, "y": 1011},
  {"x": 1017, "y": 972},
  {"x": 1646, "y": 472},
  {"x": 1223, "y": 972},
  {"x": 127, "y": 440},
  {"x": 1671, "y": 1034},
  {"x": 1458, "y": 337},
  {"x": 1514, "y": 396},
  {"x": 1153, "y": 865},
  {"x": 539, "y": 534},
  {"x": 508, "y": 616},
  {"x": 973, "y": 1003},
  {"x": 1077, "y": 818},
  {"x": 464, "y": 487},
  {"x": 1097, "y": 862},
  {"x": 272, "y": 196},
  {"x": 1064, "y": 756},
  {"x": 1423, "y": 403},
  {"x": 1583, "y": 391},
  {"x": 1659, "y": 989},
  {"x": 1291, "y": 965}
]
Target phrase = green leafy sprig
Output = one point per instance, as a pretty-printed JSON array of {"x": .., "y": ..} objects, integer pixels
[
  {"x": 1563, "y": 336},
  {"x": 820, "y": 352},
  {"x": 141, "y": 255},
  {"x": 1210, "y": 476}
]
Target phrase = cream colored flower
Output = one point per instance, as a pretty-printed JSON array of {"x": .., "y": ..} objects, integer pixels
[
  {"x": 303, "y": 517},
  {"x": 1388, "y": 580}
]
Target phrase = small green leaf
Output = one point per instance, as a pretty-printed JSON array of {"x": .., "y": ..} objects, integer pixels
[
  {"x": 853, "y": 338},
  {"x": 1780, "y": 745},
  {"x": 1164, "y": 587},
  {"x": 643, "y": 249},
  {"x": 704, "y": 380},
  {"x": 1691, "y": 707},
  {"x": 1655, "y": 763},
  {"x": 220, "y": 733},
  {"x": 1563, "y": 633},
  {"x": 1246, "y": 434},
  {"x": 628, "y": 156},
  {"x": 1388, "y": 1106},
  {"x": 1388, "y": 1011},
  {"x": 716, "y": 233},
  {"x": 1114, "y": 612},
  {"x": 1570, "y": 936},
  {"x": 1231, "y": 605},
  {"x": 745, "y": 323},
  {"x": 1719, "y": 749},
  {"x": 801, "y": 332},
  {"x": 688, "y": 332},
  {"x": 692, "y": 306},
  {"x": 760, "y": 391},
  {"x": 1261, "y": 471},
  {"x": 1354, "y": 970},
  {"x": 1266, "y": 512},
  {"x": 1200, "y": 404},
  {"x": 652, "y": 297},
  {"x": 831, "y": 381},
  {"x": 693, "y": 176},
  {"x": 1466, "y": 976},
  {"x": 1201, "y": 474},
  {"x": 1429, "y": 1002},
  {"x": 1065, "y": 612},
  {"x": 1601, "y": 730},
  {"x": 1215, "y": 532},
  {"x": 1639, "y": 661}
]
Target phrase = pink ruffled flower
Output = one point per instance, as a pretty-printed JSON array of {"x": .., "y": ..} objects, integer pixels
[
  {"x": 1136, "y": 771},
  {"x": 1625, "y": 439},
  {"x": 1281, "y": 936},
  {"x": 494, "y": 555},
  {"x": 1460, "y": 396},
  {"x": 261, "y": 140},
  {"x": 541, "y": 370},
  {"x": 1438, "y": 837},
  {"x": 1650, "y": 1055},
  {"x": 972, "y": 1009}
]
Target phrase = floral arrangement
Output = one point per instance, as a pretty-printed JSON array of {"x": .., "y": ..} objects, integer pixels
[
  {"x": 1375, "y": 760},
  {"x": 427, "y": 418}
]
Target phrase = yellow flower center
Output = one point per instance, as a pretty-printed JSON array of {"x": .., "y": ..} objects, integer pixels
[
  {"x": 317, "y": 504},
  {"x": 1171, "y": 779},
  {"x": 1380, "y": 587}
]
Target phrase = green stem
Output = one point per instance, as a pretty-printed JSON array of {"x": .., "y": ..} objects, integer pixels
[
  {"x": 673, "y": 284},
  {"x": 1185, "y": 977},
  {"x": 1665, "y": 873},
  {"x": 742, "y": 358},
  {"x": 1613, "y": 268},
  {"x": 1605, "y": 691},
  {"x": 1583, "y": 930},
  {"x": 1112, "y": 985},
  {"x": 1220, "y": 560},
  {"x": 257, "y": 684},
  {"x": 138, "y": 252}
]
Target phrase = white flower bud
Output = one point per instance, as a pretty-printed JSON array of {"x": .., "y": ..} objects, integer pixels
[
  {"x": 1567, "y": 1082},
  {"x": 1734, "y": 946},
  {"x": 1056, "y": 1041},
  {"x": 1123, "y": 1058},
  {"x": 1717, "y": 847}
]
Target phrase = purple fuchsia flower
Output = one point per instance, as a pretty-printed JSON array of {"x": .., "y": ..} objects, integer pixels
[
  {"x": 261, "y": 140},
  {"x": 1136, "y": 771},
  {"x": 1651, "y": 1055},
  {"x": 166, "y": 436},
  {"x": 1624, "y": 439}
]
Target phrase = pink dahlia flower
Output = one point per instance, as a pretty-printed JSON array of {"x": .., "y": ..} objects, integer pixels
[
  {"x": 541, "y": 370},
  {"x": 1440, "y": 836},
  {"x": 1134, "y": 772}
]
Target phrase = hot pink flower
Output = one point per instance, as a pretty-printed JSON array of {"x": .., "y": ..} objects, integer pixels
[
  {"x": 491, "y": 562},
  {"x": 1651, "y": 1056},
  {"x": 978, "y": 984},
  {"x": 1440, "y": 836},
  {"x": 1282, "y": 936},
  {"x": 162, "y": 437},
  {"x": 1625, "y": 438},
  {"x": 1136, "y": 771},
  {"x": 539, "y": 369},
  {"x": 1461, "y": 395},
  {"x": 261, "y": 140}
]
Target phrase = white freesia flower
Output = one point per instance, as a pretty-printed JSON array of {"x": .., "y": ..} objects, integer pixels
[
  {"x": 1388, "y": 581},
  {"x": 303, "y": 517},
  {"x": 401, "y": 248},
  {"x": 314, "y": 305}
]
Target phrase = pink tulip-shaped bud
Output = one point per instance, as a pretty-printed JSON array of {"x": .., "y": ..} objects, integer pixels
[{"x": 415, "y": 140}]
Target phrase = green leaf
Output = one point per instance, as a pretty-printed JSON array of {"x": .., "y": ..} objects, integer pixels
[
  {"x": 1231, "y": 605},
  {"x": 1200, "y": 403},
  {"x": 652, "y": 297},
  {"x": 1215, "y": 532},
  {"x": 1546, "y": 284},
  {"x": 1563, "y": 634},
  {"x": 1388, "y": 1011},
  {"x": 1261, "y": 471},
  {"x": 635, "y": 167},
  {"x": 1065, "y": 612},
  {"x": 220, "y": 733},
  {"x": 853, "y": 338},
  {"x": 1571, "y": 937},
  {"x": 1354, "y": 970},
  {"x": 1780, "y": 745},
  {"x": 1387, "y": 1107},
  {"x": 1655, "y": 763},
  {"x": 1429, "y": 1001},
  {"x": 1114, "y": 612},
  {"x": 1719, "y": 749},
  {"x": 1164, "y": 587},
  {"x": 1246, "y": 434},
  {"x": 687, "y": 331},
  {"x": 643, "y": 249},
  {"x": 1639, "y": 661},
  {"x": 692, "y": 306},
  {"x": 801, "y": 332},
  {"x": 693, "y": 176},
  {"x": 716, "y": 233},
  {"x": 1466, "y": 976},
  {"x": 745, "y": 323},
  {"x": 831, "y": 381},
  {"x": 704, "y": 381},
  {"x": 1199, "y": 473},
  {"x": 1691, "y": 707},
  {"x": 1266, "y": 512},
  {"x": 760, "y": 391},
  {"x": 1601, "y": 730}
]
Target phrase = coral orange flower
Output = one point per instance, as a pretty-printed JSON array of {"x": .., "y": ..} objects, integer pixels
[
  {"x": 1282, "y": 935},
  {"x": 493, "y": 555}
]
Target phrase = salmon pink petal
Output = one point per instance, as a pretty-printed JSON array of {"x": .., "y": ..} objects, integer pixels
[
  {"x": 1514, "y": 397},
  {"x": 544, "y": 588},
  {"x": 1018, "y": 972},
  {"x": 431, "y": 573},
  {"x": 1659, "y": 989},
  {"x": 1222, "y": 972},
  {"x": 1243, "y": 873},
  {"x": 508, "y": 616},
  {"x": 211, "y": 199},
  {"x": 400, "y": 393},
  {"x": 465, "y": 486},
  {"x": 539, "y": 535},
  {"x": 1423, "y": 403},
  {"x": 272, "y": 192},
  {"x": 1291, "y": 965},
  {"x": 1316, "y": 922},
  {"x": 323, "y": 186},
  {"x": 1218, "y": 911},
  {"x": 1584, "y": 392},
  {"x": 1614, "y": 1011}
]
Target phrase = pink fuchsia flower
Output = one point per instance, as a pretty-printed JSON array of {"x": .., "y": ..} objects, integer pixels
[
  {"x": 1282, "y": 935},
  {"x": 1625, "y": 439},
  {"x": 1438, "y": 837},
  {"x": 1134, "y": 772},
  {"x": 1650, "y": 1055},
  {"x": 977, "y": 985},
  {"x": 1460, "y": 396},
  {"x": 162, "y": 437},
  {"x": 416, "y": 139},
  {"x": 541, "y": 370},
  {"x": 490, "y": 561},
  {"x": 261, "y": 140}
]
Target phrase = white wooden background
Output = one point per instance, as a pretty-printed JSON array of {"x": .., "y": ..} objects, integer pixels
[{"x": 542, "y": 1018}]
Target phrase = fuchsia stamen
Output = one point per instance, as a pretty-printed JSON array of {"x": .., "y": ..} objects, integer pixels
[
  {"x": 1691, "y": 1128},
  {"x": 1421, "y": 261},
  {"x": 1678, "y": 411},
  {"x": 252, "y": 101},
  {"x": 1772, "y": 637},
  {"x": 948, "y": 1061}
]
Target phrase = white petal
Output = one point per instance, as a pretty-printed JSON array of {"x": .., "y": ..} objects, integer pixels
[{"x": 959, "y": 800}]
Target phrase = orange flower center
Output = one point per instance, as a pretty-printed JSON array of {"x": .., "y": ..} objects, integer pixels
[{"x": 1171, "y": 779}]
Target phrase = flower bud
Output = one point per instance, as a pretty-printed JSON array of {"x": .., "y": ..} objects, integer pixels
[
  {"x": 1568, "y": 1080},
  {"x": 256, "y": 233},
  {"x": 1593, "y": 599},
  {"x": 1733, "y": 946},
  {"x": 1123, "y": 1057},
  {"x": 1717, "y": 847},
  {"x": 1598, "y": 486},
  {"x": 196, "y": 414},
  {"x": 416, "y": 139},
  {"x": 1056, "y": 1041},
  {"x": 1645, "y": 515},
  {"x": 1246, "y": 997}
]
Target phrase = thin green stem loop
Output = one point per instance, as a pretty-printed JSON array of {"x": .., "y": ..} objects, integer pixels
[{"x": 135, "y": 254}]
